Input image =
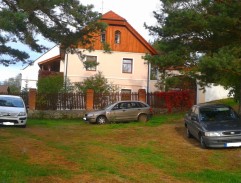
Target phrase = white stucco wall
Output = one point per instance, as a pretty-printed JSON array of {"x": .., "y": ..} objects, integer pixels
[
  {"x": 30, "y": 73},
  {"x": 211, "y": 93},
  {"x": 111, "y": 67},
  {"x": 215, "y": 93}
]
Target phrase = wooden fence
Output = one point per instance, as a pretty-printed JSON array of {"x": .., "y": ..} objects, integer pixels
[
  {"x": 77, "y": 101},
  {"x": 60, "y": 101},
  {"x": 102, "y": 100}
]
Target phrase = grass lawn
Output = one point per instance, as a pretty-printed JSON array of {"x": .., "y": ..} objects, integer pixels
[{"x": 72, "y": 151}]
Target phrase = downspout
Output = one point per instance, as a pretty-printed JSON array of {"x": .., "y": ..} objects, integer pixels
[
  {"x": 66, "y": 71},
  {"x": 148, "y": 82}
]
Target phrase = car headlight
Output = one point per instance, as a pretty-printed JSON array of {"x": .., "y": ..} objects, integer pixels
[
  {"x": 213, "y": 134},
  {"x": 22, "y": 114}
]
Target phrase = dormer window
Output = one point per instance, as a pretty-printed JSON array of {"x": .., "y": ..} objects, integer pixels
[
  {"x": 103, "y": 37},
  {"x": 117, "y": 37}
]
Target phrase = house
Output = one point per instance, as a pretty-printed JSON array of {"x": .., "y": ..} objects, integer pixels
[
  {"x": 30, "y": 72},
  {"x": 211, "y": 93},
  {"x": 123, "y": 66},
  {"x": 4, "y": 89}
]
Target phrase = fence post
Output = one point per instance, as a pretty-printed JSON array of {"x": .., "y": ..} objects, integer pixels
[
  {"x": 32, "y": 98},
  {"x": 89, "y": 99},
  {"x": 142, "y": 95}
]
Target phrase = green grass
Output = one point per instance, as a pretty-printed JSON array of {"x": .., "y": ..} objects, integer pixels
[
  {"x": 212, "y": 176},
  {"x": 19, "y": 170},
  {"x": 53, "y": 122},
  {"x": 61, "y": 150},
  {"x": 165, "y": 118},
  {"x": 228, "y": 101}
]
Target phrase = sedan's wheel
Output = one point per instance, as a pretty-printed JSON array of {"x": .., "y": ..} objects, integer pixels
[
  {"x": 101, "y": 120},
  {"x": 142, "y": 118},
  {"x": 189, "y": 135},
  {"x": 203, "y": 145}
]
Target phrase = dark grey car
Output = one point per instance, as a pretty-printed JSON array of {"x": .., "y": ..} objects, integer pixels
[
  {"x": 214, "y": 125},
  {"x": 120, "y": 111}
]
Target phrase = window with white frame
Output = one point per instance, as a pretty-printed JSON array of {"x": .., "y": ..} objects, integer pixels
[
  {"x": 91, "y": 63},
  {"x": 127, "y": 65}
]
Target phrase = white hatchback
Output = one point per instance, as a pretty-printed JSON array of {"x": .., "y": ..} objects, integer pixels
[{"x": 12, "y": 111}]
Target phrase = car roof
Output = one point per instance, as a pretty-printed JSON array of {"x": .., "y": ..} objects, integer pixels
[
  {"x": 10, "y": 96},
  {"x": 211, "y": 105},
  {"x": 130, "y": 101}
]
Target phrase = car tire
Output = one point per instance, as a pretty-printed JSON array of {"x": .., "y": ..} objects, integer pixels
[
  {"x": 143, "y": 118},
  {"x": 202, "y": 143},
  {"x": 189, "y": 135},
  {"x": 101, "y": 120}
]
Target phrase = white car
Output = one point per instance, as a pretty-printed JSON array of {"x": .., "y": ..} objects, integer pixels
[{"x": 12, "y": 111}]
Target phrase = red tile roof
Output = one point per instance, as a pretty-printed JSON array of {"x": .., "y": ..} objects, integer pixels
[
  {"x": 110, "y": 15},
  {"x": 4, "y": 89}
]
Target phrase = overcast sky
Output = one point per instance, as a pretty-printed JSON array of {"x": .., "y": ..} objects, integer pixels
[{"x": 136, "y": 12}]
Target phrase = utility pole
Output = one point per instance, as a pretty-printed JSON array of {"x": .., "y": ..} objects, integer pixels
[{"x": 102, "y": 6}]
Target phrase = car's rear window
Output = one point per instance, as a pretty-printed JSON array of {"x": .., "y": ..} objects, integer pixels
[
  {"x": 217, "y": 114},
  {"x": 11, "y": 102}
]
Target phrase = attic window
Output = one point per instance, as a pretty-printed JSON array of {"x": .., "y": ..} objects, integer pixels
[
  {"x": 103, "y": 37},
  {"x": 117, "y": 37}
]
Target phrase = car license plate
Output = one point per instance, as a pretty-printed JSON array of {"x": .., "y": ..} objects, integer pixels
[
  {"x": 234, "y": 144},
  {"x": 8, "y": 123}
]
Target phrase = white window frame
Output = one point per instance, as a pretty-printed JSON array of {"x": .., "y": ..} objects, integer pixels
[
  {"x": 91, "y": 68},
  {"x": 125, "y": 65}
]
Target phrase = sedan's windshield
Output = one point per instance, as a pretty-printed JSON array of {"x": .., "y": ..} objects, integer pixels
[
  {"x": 11, "y": 102},
  {"x": 108, "y": 106},
  {"x": 217, "y": 114}
]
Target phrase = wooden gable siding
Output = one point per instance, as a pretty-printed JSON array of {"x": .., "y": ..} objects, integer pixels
[
  {"x": 131, "y": 40},
  {"x": 128, "y": 42}
]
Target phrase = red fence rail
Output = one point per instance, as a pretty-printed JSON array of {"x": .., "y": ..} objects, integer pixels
[{"x": 172, "y": 99}]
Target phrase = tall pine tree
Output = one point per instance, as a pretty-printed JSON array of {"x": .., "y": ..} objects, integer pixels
[
  {"x": 201, "y": 38},
  {"x": 59, "y": 21}
]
